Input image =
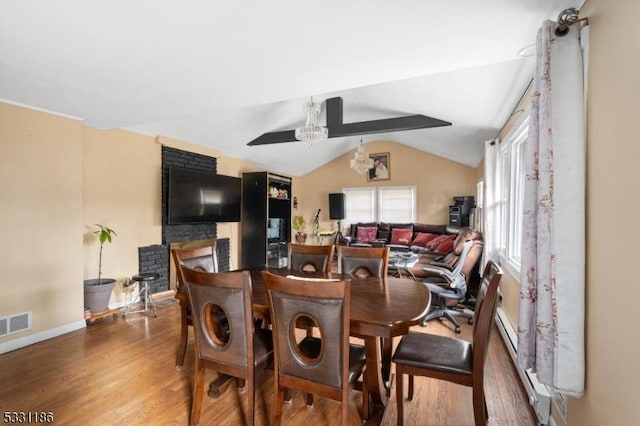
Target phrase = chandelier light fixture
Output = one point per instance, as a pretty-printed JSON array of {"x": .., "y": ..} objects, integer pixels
[
  {"x": 361, "y": 163},
  {"x": 311, "y": 132}
]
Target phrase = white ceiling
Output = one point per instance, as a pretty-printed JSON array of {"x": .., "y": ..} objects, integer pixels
[{"x": 221, "y": 73}]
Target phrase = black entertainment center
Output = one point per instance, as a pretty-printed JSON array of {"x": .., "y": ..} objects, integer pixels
[
  {"x": 460, "y": 210},
  {"x": 266, "y": 220}
]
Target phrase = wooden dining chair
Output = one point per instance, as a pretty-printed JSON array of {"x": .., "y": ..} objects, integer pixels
[
  {"x": 310, "y": 257},
  {"x": 234, "y": 348},
  {"x": 364, "y": 261},
  {"x": 323, "y": 365},
  {"x": 451, "y": 359},
  {"x": 196, "y": 254}
]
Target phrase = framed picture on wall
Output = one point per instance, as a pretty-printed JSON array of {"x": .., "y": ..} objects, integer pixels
[{"x": 381, "y": 167}]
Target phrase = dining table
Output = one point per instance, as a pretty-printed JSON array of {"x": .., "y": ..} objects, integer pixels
[{"x": 380, "y": 308}]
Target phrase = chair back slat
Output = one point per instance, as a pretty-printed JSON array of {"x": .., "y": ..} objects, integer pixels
[
  {"x": 328, "y": 305},
  {"x": 222, "y": 315},
  {"x": 196, "y": 254},
  {"x": 364, "y": 261},
  {"x": 311, "y": 257},
  {"x": 485, "y": 311}
]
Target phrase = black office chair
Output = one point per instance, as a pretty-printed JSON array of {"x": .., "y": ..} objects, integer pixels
[{"x": 448, "y": 285}]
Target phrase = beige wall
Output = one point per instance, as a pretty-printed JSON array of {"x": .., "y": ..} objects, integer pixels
[
  {"x": 437, "y": 181},
  {"x": 60, "y": 178},
  {"x": 40, "y": 218},
  {"x": 613, "y": 149},
  {"x": 121, "y": 189}
]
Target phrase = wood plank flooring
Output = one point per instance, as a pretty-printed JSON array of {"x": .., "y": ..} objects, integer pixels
[{"x": 122, "y": 371}]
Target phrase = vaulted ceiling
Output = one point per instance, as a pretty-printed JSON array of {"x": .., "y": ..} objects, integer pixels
[{"x": 220, "y": 74}]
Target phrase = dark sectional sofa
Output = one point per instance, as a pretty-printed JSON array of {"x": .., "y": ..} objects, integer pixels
[
  {"x": 446, "y": 251},
  {"x": 396, "y": 236}
]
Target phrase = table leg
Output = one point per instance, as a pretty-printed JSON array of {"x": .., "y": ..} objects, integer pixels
[
  {"x": 386, "y": 347},
  {"x": 373, "y": 380}
]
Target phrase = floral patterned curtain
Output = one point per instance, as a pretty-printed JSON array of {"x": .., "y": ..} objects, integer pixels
[{"x": 551, "y": 315}]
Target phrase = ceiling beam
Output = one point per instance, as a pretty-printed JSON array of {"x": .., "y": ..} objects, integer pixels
[{"x": 338, "y": 129}]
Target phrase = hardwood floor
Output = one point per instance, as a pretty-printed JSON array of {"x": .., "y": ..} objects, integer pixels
[{"x": 122, "y": 371}]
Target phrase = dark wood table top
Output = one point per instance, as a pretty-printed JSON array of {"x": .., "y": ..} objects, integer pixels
[{"x": 384, "y": 307}]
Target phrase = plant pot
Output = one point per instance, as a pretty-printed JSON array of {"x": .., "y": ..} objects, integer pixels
[
  {"x": 96, "y": 296},
  {"x": 301, "y": 238}
]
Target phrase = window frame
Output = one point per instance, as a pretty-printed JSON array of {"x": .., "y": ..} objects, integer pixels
[{"x": 511, "y": 173}]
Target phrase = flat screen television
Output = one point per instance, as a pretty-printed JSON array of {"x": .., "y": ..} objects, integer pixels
[{"x": 202, "y": 197}]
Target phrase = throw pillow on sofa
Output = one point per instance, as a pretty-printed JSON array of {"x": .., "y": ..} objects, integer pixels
[
  {"x": 401, "y": 236},
  {"x": 446, "y": 246},
  {"x": 422, "y": 239},
  {"x": 366, "y": 234},
  {"x": 431, "y": 245}
]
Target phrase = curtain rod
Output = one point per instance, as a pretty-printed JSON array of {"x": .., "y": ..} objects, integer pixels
[{"x": 566, "y": 18}]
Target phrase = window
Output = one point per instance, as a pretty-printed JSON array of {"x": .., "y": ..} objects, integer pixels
[
  {"x": 396, "y": 204},
  {"x": 359, "y": 205},
  {"x": 478, "y": 221},
  {"x": 510, "y": 193}
]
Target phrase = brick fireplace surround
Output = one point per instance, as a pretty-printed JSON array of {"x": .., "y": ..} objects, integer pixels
[{"x": 155, "y": 258}]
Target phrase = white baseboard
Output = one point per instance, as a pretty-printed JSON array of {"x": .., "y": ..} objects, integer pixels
[
  {"x": 539, "y": 396},
  {"x": 41, "y": 336}
]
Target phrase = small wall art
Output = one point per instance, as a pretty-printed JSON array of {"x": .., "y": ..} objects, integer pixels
[{"x": 381, "y": 167}]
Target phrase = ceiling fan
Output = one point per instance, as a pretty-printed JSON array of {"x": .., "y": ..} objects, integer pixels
[{"x": 339, "y": 129}]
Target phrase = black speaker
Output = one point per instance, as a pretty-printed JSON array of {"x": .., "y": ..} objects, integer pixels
[{"x": 336, "y": 206}]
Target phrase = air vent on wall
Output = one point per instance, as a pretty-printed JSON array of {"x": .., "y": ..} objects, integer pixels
[{"x": 15, "y": 323}]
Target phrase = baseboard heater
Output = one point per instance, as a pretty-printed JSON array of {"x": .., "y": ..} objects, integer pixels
[{"x": 539, "y": 396}]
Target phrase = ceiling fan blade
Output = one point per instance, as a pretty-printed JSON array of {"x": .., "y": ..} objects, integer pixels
[
  {"x": 338, "y": 129},
  {"x": 399, "y": 124},
  {"x": 275, "y": 137}
]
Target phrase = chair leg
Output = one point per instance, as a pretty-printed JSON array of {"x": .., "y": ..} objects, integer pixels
[
  {"x": 278, "y": 402},
  {"x": 365, "y": 398},
  {"x": 435, "y": 312},
  {"x": 480, "y": 413},
  {"x": 198, "y": 391},
  {"x": 345, "y": 406},
  {"x": 251, "y": 380},
  {"x": 182, "y": 343},
  {"x": 241, "y": 384},
  {"x": 410, "y": 393},
  {"x": 446, "y": 314},
  {"x": 399, "y": 390},
  {"x": 309, "y": 398}
]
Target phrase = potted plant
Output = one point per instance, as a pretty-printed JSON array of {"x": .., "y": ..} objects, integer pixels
[
  {"x": 97, "y": 291},
  {"x": 298, "y": 225}
]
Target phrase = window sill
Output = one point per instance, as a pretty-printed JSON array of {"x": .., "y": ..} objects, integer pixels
[{"x": 511, "y": 267}]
